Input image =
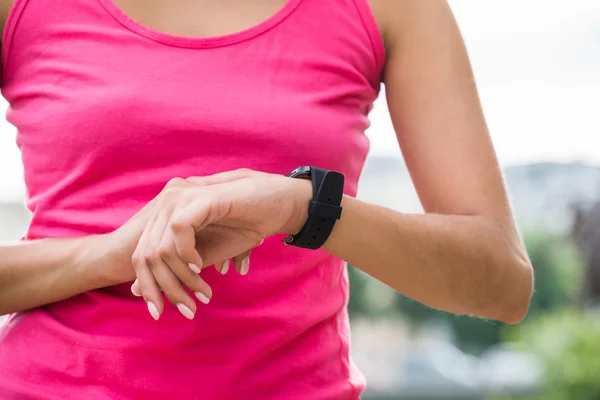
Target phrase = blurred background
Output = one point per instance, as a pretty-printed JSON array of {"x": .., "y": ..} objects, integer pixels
[{"x": 537, "y": 65}]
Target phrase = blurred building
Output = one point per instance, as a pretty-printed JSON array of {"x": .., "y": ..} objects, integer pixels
[
  {"x": 586, "y": 233},
  {"x": 541, "y": 194}
]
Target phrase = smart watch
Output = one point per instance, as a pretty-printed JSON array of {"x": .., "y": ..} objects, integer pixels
[{"x": 324, "y": 209}]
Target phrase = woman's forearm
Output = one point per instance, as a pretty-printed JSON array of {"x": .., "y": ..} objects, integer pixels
[
  {"x": 35, "y": 273},
  {"x": 460, "y": 264}
]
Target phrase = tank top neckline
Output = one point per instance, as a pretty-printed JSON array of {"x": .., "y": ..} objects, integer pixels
[{"x": 200, "y": 42}]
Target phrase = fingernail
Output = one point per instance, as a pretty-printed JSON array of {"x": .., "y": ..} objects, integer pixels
[
  {"x": 261, "y": 242},
  {"x": 153, "y": 310},
  {"x": 245, "y": 265},
  {"x": 202, "y": 297},
  {"x": 225, "y": 267},
  {"x": 194, "y": 268},
  {"x": 185, "y": 311}
]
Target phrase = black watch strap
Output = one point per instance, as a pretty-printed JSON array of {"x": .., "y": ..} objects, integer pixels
[{"x": 324, "y": 209}]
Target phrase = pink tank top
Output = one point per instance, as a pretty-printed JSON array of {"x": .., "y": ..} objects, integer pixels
[{"x": 107, "y": 111}]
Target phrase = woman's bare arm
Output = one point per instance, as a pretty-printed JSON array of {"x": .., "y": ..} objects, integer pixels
[
  {"x": 465, "y": 255},
  {"x": 39, "y": 272}
]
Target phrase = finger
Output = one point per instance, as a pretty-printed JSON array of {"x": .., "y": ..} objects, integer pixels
[
  {"x": 135, "y": 289},
  {"x": 171, "y": 287},
  {"x": 165, "y": 277},
  {"x": 180, "y": 269},
  {"x": 150, "y": 291},
  {"x": 184, "y": 226},
  {"x": 222, "y": 267},
  {"x": 157, "y": 238},
  {"x": 148, "y": 287},
  {"x": 241, "y": 262}
]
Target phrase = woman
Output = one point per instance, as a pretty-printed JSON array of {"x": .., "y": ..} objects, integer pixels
[{"x": 116, "y": 101}]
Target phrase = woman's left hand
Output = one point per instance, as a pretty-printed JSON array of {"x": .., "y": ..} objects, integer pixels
[{"x": 221, "y": 217}]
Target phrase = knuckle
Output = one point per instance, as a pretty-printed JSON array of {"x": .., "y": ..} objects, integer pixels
[
  {"x": 136, "y": 259},
  {"x": 165, "y": 251},
  {"x": 191, "y": 281},
  {"x": 151, "y": 256},
  {"x": 168, "y": 292},
  {"x": 178, "y": 224},
  {"x": 172, "y": 292},
  {"x": 244, "y": 171},
  {"x": 175, "y": 182},
  {"x": 194, "y": 180},
  {"x": 187, "y": 277}
]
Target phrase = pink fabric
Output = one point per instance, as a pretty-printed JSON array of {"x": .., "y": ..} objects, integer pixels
[{"x": 107, "y": 112}]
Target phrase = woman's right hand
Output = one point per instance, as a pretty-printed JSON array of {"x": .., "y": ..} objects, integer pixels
[
  {"x": 34, "y": 273},
  {"x": 120, "y": 244}
]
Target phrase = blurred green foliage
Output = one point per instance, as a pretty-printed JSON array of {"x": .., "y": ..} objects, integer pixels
[
  {"x": 567, "y": 343},
  {"x": 558, "y": 269}
]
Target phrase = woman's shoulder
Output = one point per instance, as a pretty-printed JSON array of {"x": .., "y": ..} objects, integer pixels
[
  {"x": 5, "y": 7},
  {"x": 396, "y": 19},
  {"x": 388, "y": 15},
  {"x": 379, "y": 9}
]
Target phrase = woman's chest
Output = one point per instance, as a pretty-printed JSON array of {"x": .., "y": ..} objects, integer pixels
[
  {"x": 125, "y": 101},
  {"x": 112, "y": 97},
  {"x": 106, "y": 100}
]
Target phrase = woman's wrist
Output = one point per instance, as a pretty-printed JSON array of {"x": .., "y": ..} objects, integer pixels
[
  {"x": 103, "y": 261},
  {"x": 301, "y": 191}
]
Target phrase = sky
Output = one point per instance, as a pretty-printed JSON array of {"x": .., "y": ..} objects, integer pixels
[{"x": 537, "y": 66}]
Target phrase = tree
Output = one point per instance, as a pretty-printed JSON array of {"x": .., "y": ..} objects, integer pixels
[
  {"x": 558, "y": 269},
  {"x": 567, "y": 343}
]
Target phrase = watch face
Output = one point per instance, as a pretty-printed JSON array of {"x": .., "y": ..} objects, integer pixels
[{"x": 300, "y": 172}]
